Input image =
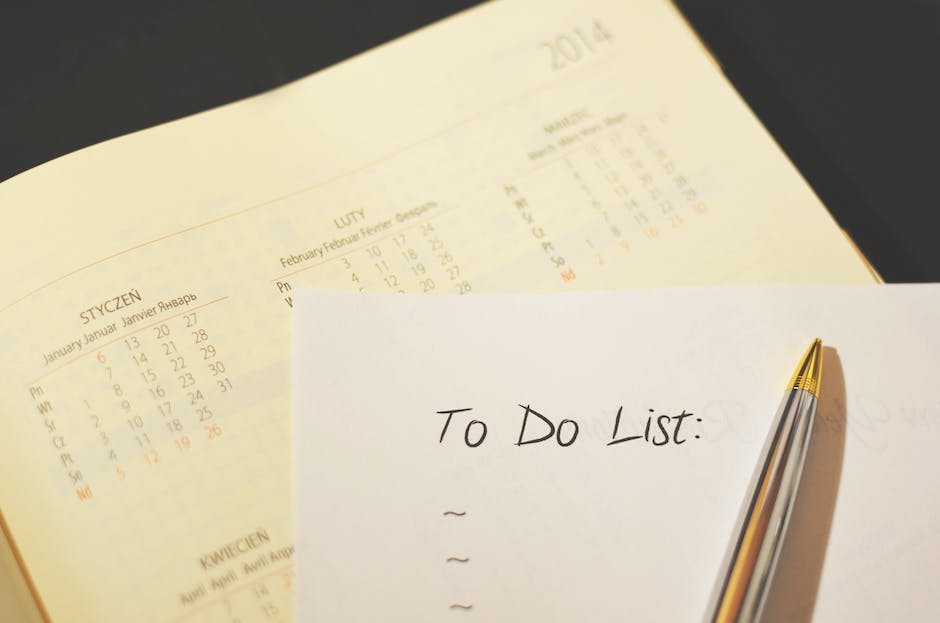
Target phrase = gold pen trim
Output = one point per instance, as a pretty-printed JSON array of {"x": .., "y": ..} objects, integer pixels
[{"x": 809, "y": 373}]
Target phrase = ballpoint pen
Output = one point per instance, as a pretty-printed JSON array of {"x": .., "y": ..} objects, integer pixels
[{"x": 748, "y": 568}]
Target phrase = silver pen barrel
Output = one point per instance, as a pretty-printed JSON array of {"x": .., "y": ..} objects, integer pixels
[{"x": 748, "y": 568}]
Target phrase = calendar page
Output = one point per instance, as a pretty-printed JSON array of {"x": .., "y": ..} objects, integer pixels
[{"x": 147, "y": 285}]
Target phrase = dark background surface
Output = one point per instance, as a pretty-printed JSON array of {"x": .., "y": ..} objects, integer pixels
[{"x": 850, "y": 89}]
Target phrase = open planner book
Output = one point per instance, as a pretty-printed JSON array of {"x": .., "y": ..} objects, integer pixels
[{"x": 146, "y": 292}]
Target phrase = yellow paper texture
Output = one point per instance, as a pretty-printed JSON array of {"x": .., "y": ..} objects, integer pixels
[
  {"x": 16, "y": 600},
  {"x": 144, "y": 315}
]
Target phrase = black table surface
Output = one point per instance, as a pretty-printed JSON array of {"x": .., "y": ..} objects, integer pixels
[{"x": 850, "y": 89}]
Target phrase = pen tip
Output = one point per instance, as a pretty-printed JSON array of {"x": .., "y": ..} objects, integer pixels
[{"x": 809, "y": 373}]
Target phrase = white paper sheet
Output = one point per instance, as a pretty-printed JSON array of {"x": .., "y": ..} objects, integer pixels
[{"x": 387, "y": 511}]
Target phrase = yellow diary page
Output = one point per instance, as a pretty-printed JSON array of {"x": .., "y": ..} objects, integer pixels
[
  {"x": 146, "y": 286},
  {"x": 16, "y": 600}
]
